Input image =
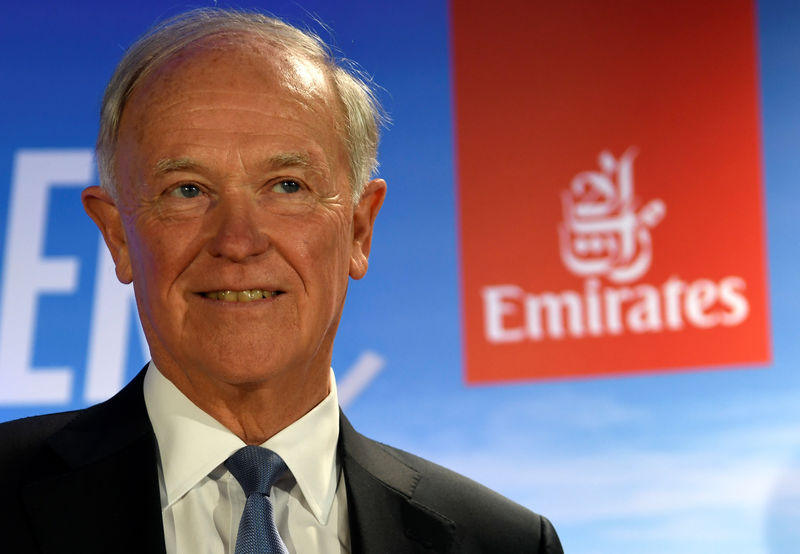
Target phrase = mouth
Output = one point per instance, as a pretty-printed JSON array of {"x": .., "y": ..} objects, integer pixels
[{"x": 250, "y": 295}]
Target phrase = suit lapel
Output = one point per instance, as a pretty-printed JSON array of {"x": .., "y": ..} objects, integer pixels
[
  {"x": 109, "y": 484},
  {"x": 384, "y": 516}
]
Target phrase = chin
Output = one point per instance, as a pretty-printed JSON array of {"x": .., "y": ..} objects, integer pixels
[{"x": 239, "y": 368}]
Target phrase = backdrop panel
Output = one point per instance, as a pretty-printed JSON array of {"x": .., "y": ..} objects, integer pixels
[{"x": 688, "y": 461}]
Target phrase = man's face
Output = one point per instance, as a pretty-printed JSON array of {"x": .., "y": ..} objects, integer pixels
[{"x": 236, "y": 221}]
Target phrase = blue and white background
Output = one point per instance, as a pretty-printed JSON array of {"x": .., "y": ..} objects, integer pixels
[{"x": 705, "y": 461}]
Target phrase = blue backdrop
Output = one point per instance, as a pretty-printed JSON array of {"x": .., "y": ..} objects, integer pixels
[{"x": 705, "y": 461}]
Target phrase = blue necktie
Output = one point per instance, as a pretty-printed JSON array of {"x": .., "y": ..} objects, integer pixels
[{"x": 257, "y": 469}]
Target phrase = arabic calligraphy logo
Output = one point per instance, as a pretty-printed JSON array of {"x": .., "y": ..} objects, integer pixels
[{"x": 603, "y": 233}]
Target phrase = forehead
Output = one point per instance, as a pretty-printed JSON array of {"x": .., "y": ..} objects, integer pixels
[
  {"x": 223, "y": 80},
  {"x": 240, "y": 59}
]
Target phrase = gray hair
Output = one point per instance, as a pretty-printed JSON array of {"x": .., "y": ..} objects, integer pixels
[{"x": 362, "y": 112}]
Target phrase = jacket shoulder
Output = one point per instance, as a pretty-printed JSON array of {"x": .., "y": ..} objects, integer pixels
[
  {"x": 489, "y": 521},
  {"x": 21, "y": 440}
]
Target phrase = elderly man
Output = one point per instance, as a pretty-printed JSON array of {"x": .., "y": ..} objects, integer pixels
[{"x": 235, "y": 159}]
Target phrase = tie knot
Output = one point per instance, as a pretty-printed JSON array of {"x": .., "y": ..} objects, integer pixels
[{"x": 255, "y": 468}]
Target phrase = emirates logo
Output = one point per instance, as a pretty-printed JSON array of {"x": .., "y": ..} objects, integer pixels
[{"x": 604, "y": 233}]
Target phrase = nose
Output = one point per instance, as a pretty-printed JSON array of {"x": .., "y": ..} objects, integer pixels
[{"x": 238, "y": 233}]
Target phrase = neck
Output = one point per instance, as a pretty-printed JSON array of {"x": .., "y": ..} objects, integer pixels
[{"x": 254, "y": 411}]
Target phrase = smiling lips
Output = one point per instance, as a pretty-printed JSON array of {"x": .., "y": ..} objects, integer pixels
[{"x": 241, "y": 295}]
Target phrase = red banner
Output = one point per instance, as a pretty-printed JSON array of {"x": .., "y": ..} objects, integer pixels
[{"x": 610, "y": 187}]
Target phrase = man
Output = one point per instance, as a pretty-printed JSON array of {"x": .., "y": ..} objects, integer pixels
[{"x": 235, "y": 159}]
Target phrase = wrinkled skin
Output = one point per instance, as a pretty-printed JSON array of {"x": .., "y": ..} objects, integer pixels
[{"x": 232, "y": 176}]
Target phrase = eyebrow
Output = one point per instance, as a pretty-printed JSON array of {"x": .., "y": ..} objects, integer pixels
[
  {"x": 278, "y": 161},
  {"x": 167, "y": 165},
  {"x": 290, "y": 159}
]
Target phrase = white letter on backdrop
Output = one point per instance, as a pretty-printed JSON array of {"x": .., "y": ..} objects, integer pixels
[{"x": 28, "y": 274}]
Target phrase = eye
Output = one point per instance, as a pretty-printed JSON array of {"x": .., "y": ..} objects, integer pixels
[
  {"x": 186, "y": 191},
  {"x": 287, "y": 186}
]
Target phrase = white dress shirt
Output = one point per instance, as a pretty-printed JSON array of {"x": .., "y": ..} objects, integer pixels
[{"x": 202, "y": 503}]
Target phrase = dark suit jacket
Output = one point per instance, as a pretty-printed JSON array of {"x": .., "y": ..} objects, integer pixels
[{"x": 86, "y": 482}]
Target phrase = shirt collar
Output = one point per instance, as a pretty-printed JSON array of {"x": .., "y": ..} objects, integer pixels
[{"x": 191, "y": 443}]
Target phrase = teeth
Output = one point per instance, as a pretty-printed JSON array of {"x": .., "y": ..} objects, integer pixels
[
  {"x": 249, "y": 295},
  {"x": 240, "y": 296},
  {"x": 228, "y": 296}
]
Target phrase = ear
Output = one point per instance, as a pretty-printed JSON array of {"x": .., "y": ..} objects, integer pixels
[
  {"x": 364, "y": 215},
  {"x": 103, "y": 210}
]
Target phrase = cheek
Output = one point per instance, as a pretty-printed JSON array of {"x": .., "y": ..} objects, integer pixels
[
  {"x": 320, "y": 238},
  {"x": 146, "y": 268},
  {"x": 145, "y": 245},
  {"x": 158, "y": 255},
  {"x": 321, "y": 258},
  {"x": 331, "y": 247}
]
